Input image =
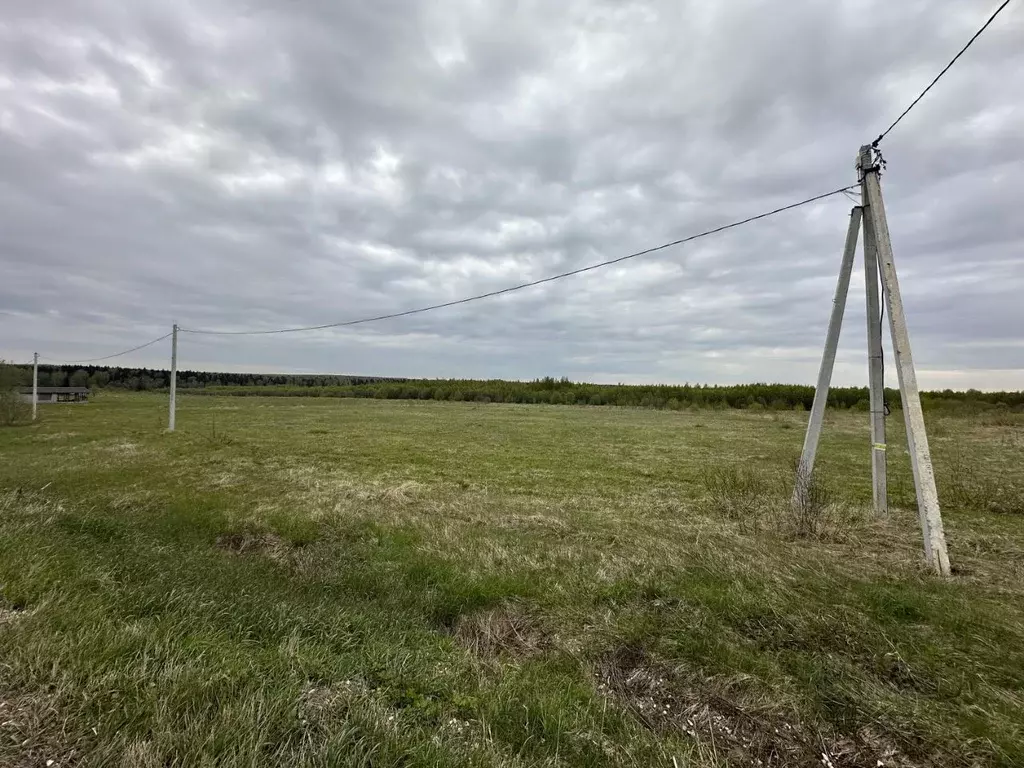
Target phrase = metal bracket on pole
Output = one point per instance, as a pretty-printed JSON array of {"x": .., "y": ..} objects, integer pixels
[
  {"x": 174, "y": 378},
  {"x": 35, "y": 384},
  {"x": 828, "y": 359},
  {"x": 917, "y": 438}
]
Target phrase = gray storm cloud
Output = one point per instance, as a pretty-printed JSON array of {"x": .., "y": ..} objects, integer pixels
[{"x": 251, "y": 164}]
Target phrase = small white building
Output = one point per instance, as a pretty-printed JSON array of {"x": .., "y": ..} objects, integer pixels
[{"x": 57, "y": 394}]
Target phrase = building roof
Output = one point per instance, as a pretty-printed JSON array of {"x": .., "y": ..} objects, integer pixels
[{"x": 56, "y": 390}]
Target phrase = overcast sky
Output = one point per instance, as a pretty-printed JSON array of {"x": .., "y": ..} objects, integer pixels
[{"x": 254, "y": 164}]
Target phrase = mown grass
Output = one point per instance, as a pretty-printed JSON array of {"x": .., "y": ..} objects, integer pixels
[{"x": 372, "y": 583}]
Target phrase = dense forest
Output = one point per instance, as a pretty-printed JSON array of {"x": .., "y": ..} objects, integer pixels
[{"x": 547, "y": 390}]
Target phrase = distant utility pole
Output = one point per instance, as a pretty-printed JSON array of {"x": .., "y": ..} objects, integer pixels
[
  {"x": 174, "y": 377},
  {"x": 35, "y": 384},
  {"x": 879, "y": 268}
]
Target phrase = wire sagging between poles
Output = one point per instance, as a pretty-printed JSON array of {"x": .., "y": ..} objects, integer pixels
[
  {"x": 107, "y": 357},
  {"x": 532, "y": 283},
  {"x": 938, "y": 77}
]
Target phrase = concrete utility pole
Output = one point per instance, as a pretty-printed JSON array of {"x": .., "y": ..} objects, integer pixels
[
  {"x": 879, "y": 268},
  {"x": 35, "y": 384},
  {"x": 917, "y": 438},
  {"x": 174, "y": 377},
  {"x": 835, "y": 324},
  {"x": 876, "y": 383}
]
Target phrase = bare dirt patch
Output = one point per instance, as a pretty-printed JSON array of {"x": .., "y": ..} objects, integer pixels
[{"x": 730, "y": 722}]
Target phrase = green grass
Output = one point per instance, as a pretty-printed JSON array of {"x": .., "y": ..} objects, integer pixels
[{"x": 376, "y": 583}]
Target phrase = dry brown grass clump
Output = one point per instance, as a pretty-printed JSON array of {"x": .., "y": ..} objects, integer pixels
[
  {"x": 253, "y": 542},
  {"x": 34, "y": 722},
  {"x": 505, "y": 631}
]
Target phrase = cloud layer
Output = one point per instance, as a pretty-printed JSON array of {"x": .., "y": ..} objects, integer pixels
[{"x": 250, "y": 164}]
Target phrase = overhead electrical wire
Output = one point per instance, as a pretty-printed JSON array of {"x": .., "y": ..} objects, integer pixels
[
  {"x": 107, "y": 357},
  {"x": 530, "y": 284},
  {"x": 938, "y": 77}
]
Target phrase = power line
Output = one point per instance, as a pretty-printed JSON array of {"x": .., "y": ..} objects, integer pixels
[
  {"x": 532, "y": 283},
  {"x": 107, "y": 357},
  {"x": 939, "y": 76}
]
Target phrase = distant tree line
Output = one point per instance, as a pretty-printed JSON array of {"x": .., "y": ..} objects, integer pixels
[
  {"x": 100, "y": 377},
  {"x": 547, "y": 390},
  {"x": 673, "y": 397}
]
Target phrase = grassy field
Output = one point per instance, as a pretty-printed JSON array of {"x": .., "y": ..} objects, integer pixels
[{"x": 372, "y": 583}]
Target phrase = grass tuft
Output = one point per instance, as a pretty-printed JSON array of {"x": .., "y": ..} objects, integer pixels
[{"x": 764, "y": 503}]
